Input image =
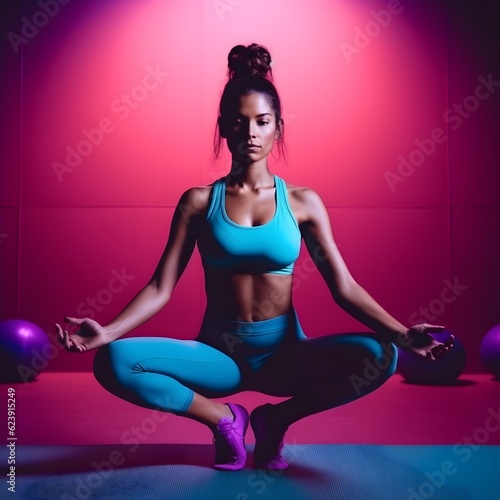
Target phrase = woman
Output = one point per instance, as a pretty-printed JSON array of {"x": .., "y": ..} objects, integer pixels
[{"x": 248, "y": 227}]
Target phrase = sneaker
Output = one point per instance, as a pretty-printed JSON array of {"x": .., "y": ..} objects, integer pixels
[
  {"x": 229, "y": 440},
  {"x": 268, "y": 451}
]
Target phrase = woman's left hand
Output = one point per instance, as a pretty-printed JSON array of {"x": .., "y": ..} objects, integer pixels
[{"x": 419, "y": 342}]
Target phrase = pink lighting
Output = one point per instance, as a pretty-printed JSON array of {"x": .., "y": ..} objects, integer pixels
[{"x": 109, "y": 113}]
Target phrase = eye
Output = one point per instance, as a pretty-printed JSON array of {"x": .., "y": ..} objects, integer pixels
[{"x": 262, "y": 122}]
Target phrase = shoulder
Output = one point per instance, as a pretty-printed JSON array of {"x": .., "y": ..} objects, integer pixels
[
  {"x": 304, "y": 194},
  {"x": 305, "y": 202},
  {"x": 195, "y": 200}
]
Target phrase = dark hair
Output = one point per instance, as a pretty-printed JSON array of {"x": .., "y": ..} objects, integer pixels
[{"x": 249, "y": 71}]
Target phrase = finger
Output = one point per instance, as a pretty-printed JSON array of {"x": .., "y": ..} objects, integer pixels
[
  {"x": 434, "y": 328},
  {"x": 439, "y": 351},
  {"x": 60, "y": 336},
  {"x": 74, "y": 321},
  {"x": 449, "y": 341},
  {"x": 428, "y": 356},
  {"x": 67, "y": 342}
]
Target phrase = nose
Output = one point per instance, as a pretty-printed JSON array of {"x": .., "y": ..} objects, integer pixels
[{"x": 252, "y": 129}]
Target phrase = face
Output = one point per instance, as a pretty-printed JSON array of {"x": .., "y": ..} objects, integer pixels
[{"x": 251, "y": 132}]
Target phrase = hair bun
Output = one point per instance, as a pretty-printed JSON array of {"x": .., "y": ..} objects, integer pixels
[{"x": 249, "y": 61}]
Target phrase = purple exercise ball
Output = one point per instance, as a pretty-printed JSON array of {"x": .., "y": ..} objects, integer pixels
[
  {"x": 442, "y": 371},
  {"x": 20, "y": 340},
  {"x": 490, "y": 351}
]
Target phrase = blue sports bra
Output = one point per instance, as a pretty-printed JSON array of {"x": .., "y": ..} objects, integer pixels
[{"x": 228, "y": 247}]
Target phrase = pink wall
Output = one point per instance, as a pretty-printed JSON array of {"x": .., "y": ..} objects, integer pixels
[{"x": 356, "y": 107}]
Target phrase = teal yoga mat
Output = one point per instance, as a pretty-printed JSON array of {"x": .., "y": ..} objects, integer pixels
[{"x": 183, "y": 472}]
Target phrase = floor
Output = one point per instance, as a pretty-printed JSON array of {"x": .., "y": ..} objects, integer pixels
[
  {"x": 73, "y": 409},
  {"x": 317, "y": 471}
]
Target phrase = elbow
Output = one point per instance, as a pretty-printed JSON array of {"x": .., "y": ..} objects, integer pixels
[
  {"x": 344, "y": 291},
  {"x": 164, "y": 296},
  {"x": 161, "y": 293}
]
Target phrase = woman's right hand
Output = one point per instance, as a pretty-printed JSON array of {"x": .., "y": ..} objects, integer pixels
[{"x": 90, "y": 335}]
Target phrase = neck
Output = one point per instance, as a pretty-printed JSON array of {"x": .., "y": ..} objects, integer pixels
[{"x": 254, "y": 175}]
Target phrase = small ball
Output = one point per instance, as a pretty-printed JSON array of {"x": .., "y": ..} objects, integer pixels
[
  {"x": 20, "y": 341},
  {"x": 490, "y": 351},
  {"x": 442, "y": 371}
]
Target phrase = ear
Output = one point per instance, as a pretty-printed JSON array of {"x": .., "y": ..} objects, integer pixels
[{"x": 279, "y": 129}]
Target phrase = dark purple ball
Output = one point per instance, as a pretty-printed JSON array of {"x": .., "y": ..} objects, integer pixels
[
  {"x": 490, "y": 351},
  {"x": 443, "y": 371},
  {"x": 20, "y": 342}
]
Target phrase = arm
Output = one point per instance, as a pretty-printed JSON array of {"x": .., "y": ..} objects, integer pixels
[
  {"x": 157, "y": 292},
  {"x": 348, "y": 294}
]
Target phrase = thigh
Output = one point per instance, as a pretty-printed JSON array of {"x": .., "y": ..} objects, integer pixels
[
  {"x": 195, "y": 365},
  {"x": 323, "y": 361}
]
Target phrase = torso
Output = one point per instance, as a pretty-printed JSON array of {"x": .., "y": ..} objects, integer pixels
[{"x": 250, "y": 296}]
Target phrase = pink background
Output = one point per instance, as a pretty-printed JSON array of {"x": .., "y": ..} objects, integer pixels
[{"x": 349, "y": 118}]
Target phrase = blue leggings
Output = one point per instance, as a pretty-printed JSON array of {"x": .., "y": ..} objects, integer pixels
[{"x": 272, "y": 356}]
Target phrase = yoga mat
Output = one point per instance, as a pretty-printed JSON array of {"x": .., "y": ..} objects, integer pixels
[{"x": 183, "y": 472}]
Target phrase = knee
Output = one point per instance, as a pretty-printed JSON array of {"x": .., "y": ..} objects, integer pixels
[
  {"x": 382, "y": 360},
  {"x": 107, "y": 365},
  {"x": 385, "y": 358},
  {"x": 102, "y": 364},
  {"x": 378, "y": 364}
]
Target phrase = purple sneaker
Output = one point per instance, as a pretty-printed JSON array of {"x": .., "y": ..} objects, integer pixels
[
  {"x": 268, "y": 441},
  {"x": 229, "y": 440}
]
